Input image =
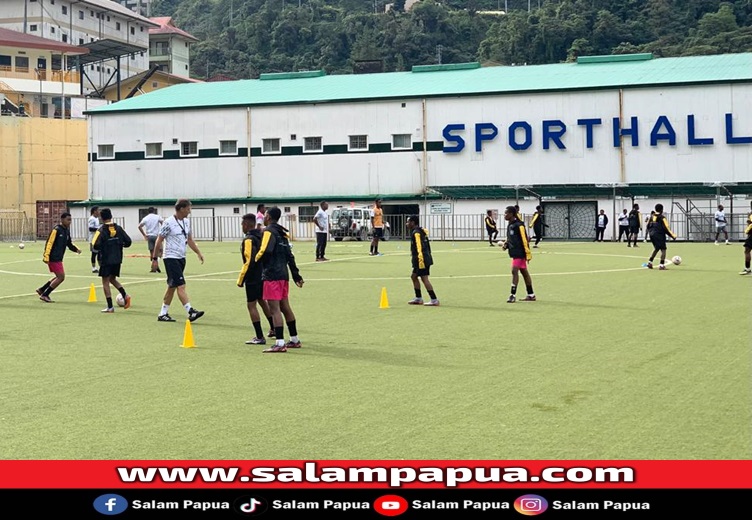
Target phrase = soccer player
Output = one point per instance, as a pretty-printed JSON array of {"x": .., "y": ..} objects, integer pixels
[
  {"x": 260, "y": 215},
  {"x": 748, "y": 247},
  {"x": 176, "y": 234},
  {"x": 93, "y": 225},
  {"x": 720, "y": 224},
  {"x": 321, "y": 219},
  {"x": 518, "y": 247},
  {"x": 250, "y": 277},
  {"x": 491, "y": 228},
  {"x": 276, "y": 256},
  {"x": 420, "y": 253},
  {"x": 149, "y": 228},
  {"x": 538, "y": 224},
  {"x": 108, "y": 242},
  {"x": 658, "y": 228},
  {"x": 635, "y": 224},
  {"x": 377, "y": 224},
  {"x": 54, "y": 251}
]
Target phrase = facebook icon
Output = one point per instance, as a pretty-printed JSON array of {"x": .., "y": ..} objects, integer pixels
[{"x": 110, "y": 504}]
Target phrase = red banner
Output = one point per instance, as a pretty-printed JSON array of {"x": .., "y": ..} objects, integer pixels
[{"x": 374, "y": 474}]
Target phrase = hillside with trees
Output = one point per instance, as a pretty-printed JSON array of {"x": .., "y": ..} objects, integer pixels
[{"x": 244, "y": 38}]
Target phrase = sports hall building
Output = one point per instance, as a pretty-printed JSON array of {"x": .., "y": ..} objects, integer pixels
[{"x": 446, "y": 141}]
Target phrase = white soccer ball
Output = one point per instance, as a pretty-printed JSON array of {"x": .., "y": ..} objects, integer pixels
[
  {"x": 120, "y": 300},
  {"x": 676, "y": 260},
  {"x": 21, "y": 245},
  {"x": 501, "y": 243}
]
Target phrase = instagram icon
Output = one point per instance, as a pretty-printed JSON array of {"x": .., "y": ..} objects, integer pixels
[{"x": 531, "y": 505}]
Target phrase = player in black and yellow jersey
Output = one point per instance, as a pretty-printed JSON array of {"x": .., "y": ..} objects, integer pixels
[
  {"x": 659, "y": 229},
  {"x": 538, "y": 223},
  {"x": 250, "y": 278},
  {"x": 108, "y": 243},
  {"x": 422, "y": 260},
  {"x": 491, "y": 228},
  {"x": 518, "y": 247},
  {"x": 748, "y": 247},
  {"x": 54, "y": 251}
]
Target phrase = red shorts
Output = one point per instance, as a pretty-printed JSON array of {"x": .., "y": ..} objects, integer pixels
[
  {"x": 56, "y": 267},
  {"x": 519, "y": 263},
  {"x": 276, "y": 290}
]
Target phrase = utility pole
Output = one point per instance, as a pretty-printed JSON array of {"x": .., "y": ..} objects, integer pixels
[
  {"x": 439, "y": 48},
  {"x": 26, "y": 14}
]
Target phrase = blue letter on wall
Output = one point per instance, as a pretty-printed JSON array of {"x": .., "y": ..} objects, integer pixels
[
  {"x": 513, "y": 135},
  {"x": 459, "y": 141},
  {"x": 691, "y": 132},
  {"x": 656, "y": 135},
  {"x": 619, "y": 132},
  {"x": 730, "y": 139},
  {"x": 481, "y": 136},
  {"x": 552, "y": 131},
  {"x": 588, "y": 124}
]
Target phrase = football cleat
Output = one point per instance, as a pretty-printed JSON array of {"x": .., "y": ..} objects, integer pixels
[
  {"x": 165, "y": 317},
  {"x": 416, "y": 301}
]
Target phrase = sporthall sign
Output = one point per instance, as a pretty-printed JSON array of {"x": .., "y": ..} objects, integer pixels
[{"x": 553, "y": 133}]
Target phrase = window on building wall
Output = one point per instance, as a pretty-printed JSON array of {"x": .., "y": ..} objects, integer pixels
[
  {"x": 33, "y": 27},
  {"x": 133, "y": 30},
  {"x": 153, "y": 149},
  {"x": 270, "y": 145},
  {"x": 5, "y": 62},
  {"x": 358, "y": 142},
  {"x": 312, "y": 144},
  {"x": 141, "y": 28},
  {"x": 154, "y": 84},
  {"x": 117, "y": 26},
  {"x": 65, "y": 9},
  {"x": 306, "y": 213},
  {"x": 228, "y": 148},
  {"x": 402, "y": 141},
  {"x": 80, "y": 41},
  {"x": 65, "y": 38},
  {"x": 108, "y": 18},
  {"x": 52, "y": 30},
  {"x": 106, "y": 151},
  {"x": 189, "y": 148},
  {"x": 22, "y": 64},
  {"x": 91, "y": 13},
  {"x": 80, "y": 15}
]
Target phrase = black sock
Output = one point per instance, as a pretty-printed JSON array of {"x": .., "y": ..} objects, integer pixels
[
  {"x": 122, "y": 292},
  {"x": 432, "y": 294},
  {"x": 418, "y": 294},
  {"x": 746, "y": 264},
  {"x": 279, "y": 332},
  {"x": 514, "y": 290},
  {"x": 109, "y": 302},
  {"x": 257, "y": 328},
  {"x": 45, "y": 287},
  {"x": 529, "y": 289},
  {"x": 271, "y": 322},
  {"x": 292, "y": 328},
  {"x": 48, "y": 290}
]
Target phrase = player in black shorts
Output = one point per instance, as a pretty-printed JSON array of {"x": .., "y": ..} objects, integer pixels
[
  {"x": 748, "y": 247},
  {"x": 250, "y": 277},
  {"x": 658, "y": 227}
]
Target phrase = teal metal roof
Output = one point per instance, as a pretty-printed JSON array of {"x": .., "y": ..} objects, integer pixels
[
  {"x": 255, "y": 200},
  {"x": 590, "y": 73}
]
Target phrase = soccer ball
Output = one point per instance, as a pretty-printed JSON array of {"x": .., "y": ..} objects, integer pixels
[
  {"x": 120, "y": 300},
  {"x": 501, "y": 243},
  {"x": 676, "y": 260},
  {"x": 21, "y": 245}
]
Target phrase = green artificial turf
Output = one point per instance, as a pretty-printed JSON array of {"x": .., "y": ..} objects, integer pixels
[{"x": 614, "y": 361}]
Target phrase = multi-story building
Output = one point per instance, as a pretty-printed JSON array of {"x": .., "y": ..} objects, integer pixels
[
  {"x": 169, "y": 48},
  {"x": 142, "y": 7},
  {"x": 82, "y": 22}
]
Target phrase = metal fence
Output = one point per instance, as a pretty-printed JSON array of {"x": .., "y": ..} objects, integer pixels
[{"x": 689, "y": 226}]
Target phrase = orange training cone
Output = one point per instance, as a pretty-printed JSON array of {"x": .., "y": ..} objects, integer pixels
[
  {"x": 384, "y": 303},
  {"x": 92, "y": 294},
  {"x": 188, "y": 336}
]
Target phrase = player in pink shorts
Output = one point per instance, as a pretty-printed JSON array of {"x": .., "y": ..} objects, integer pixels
[
  {"x": 54, "y": 250},
  {"x": 518, "y": 247}
]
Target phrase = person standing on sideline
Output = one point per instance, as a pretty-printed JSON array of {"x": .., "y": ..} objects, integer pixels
[
  {"x": 108, "y": 243},
  {"x": 601, "y": 221},
  {"x": 658, "y": 229},
  {"x": 321, "y": 219},
  {"x": 260, "y": 215},
  {"x": 377, "y": 225},
  {"x": 422, "y": 260},
  {"x": 149, "y": 228},
  {"x": 54, "y": 251},
  {"x": 276, "y": 255},
  {"x": 538, "y": 224},
  {"x": 635, "y": 224},
  {"x": 720, "y": 224},
  {"x": 250, "y": 277},
  {"x": 176, "y": 234},
  {"x": 748, "y": 247},
  {"x": 491, "y": 228},
  {"x": 648, "y": 225},
  {"x": 518, "y": 247},
  {"x": 624, "y": 226},
  {"x": 93, "y": 227}
]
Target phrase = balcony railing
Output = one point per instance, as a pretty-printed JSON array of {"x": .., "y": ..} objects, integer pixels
[{"x": 59, "y": 76}]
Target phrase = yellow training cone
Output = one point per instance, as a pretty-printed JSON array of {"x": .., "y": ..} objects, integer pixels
[
  {"x": 384, "y": 303},
  {"x": 188, "y": 336},
  {"x": 92, "y": 294}
]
